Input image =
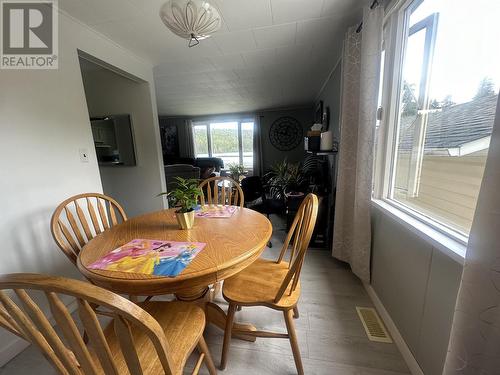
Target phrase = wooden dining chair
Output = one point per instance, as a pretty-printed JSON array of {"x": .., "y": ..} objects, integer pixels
[
  {"x": 149, "y": 338},
  {"x": 221, "y": 191},
  {"x": 80, "y": 218},
  {"x": 230, "y": 194},
  {"x": 274, "y": 283}
]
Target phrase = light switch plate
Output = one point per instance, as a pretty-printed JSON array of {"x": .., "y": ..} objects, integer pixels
[{"x": 84, "y": 155}]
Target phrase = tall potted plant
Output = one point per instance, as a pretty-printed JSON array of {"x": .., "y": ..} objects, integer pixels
[
  {"x": 185, "y": 197},
  {"x": 284, "y": 179}
]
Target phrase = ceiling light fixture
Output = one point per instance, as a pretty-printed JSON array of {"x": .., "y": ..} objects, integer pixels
[{"x": 193, "y": 20}]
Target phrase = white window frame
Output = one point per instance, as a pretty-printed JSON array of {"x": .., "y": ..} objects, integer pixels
[
  {"x": 395, "y": 29},
  {"x": 240, "y": 120}
]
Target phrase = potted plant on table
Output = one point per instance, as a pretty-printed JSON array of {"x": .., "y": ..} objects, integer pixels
[{"x": 185, "y": 197}]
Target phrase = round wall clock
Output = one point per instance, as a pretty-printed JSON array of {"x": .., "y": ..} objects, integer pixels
[{"x": 286, "y": 133}]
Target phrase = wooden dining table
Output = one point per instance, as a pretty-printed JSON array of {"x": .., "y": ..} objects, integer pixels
[{"x": 232, "y": 244}]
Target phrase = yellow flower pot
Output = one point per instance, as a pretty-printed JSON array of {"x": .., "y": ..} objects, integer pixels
[{"x": 185, "y": 219}]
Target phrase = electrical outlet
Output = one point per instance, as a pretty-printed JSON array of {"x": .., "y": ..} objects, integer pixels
[{"x": 84, "y": 155}]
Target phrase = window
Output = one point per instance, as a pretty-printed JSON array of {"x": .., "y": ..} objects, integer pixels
[
  {"x": 200, "y": 141},
  {"x": 232, "y": 141},
  {"x": 441, "y": 99},
  {"x": 225, "y": 142},
  {"x": 247, "y": 144}
]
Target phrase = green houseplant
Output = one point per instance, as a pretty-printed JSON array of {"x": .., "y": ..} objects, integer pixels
[
  {"x": 285, "y": 178},
  {"x": 236, "y": 171},
  {"x": 185, "y": 197}
]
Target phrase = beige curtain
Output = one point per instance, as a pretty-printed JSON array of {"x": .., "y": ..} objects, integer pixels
[
  {"x": 475, "y": 335},
  {"x": 360, "y": 80}
]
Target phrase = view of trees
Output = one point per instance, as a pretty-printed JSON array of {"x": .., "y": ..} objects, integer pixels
[
  {"x": 247, "y": 139},
  {"x": 409, "y": 100},
  {"x": 486, "y": 88},
  {"x": 200, "y": 140},
  {"x": 223, "y": 140}
]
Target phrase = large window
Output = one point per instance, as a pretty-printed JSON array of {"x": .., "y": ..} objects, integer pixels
[
  {"x": 232, "y": 141},
  {"x": 442, "y": 86}
]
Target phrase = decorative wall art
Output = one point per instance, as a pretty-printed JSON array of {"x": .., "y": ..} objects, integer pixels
[
  {"x": 286, "y": 133},
  {"x": 169, "y": 139},
  {"x": 318, "y": 113},
  {"x": 326, "y": 119}
]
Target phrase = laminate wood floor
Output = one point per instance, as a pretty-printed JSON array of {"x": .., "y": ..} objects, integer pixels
[{"x": 331, "y": 337}]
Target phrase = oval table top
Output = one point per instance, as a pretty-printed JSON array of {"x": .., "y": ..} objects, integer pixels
[{"x": 232, "y": 245}]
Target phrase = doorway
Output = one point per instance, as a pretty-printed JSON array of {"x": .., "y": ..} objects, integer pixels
[{"x": 126, "y": 137}]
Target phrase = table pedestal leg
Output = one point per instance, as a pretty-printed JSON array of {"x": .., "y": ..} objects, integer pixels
[
  {"x": 214, "y": 314},
  {"x": 217, "y": 317}
]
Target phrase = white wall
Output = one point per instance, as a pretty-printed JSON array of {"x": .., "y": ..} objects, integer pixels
[
  {"x": 135, "y": 187},
  {"x": 417, "y": 284},
  {"x": 43, "y": 123}
]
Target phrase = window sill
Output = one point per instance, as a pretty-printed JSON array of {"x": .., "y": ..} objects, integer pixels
[{"x": 446, "y": 244}]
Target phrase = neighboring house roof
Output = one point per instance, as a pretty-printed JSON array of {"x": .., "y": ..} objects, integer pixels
[{"x": 454, "y": 127}]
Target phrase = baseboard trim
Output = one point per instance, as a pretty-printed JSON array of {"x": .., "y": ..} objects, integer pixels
[
  {"x": 410, "y": 360},
  {"x": 17, "y": 345}
]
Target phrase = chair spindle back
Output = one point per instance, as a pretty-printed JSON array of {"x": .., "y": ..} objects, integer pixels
[
  {"x": 80, "y": 218},
  {"x": 66, "y": 350},
  {"x": 230, "y": 192},
  {"x": 300, "y": 234}
]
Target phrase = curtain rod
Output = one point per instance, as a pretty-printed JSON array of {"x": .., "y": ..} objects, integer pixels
[{"x": 373, "y": 6}]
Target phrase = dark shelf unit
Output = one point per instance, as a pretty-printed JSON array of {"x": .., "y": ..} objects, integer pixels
[
  {"x": 322, "y": 153},
  {"x": 328, "y": 200}
]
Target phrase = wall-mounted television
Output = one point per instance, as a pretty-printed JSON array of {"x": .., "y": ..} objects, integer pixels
[{"x": 113, "y": 140}]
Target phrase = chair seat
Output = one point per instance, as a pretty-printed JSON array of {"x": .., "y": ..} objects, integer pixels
[
  {"x": 185, "y": 323},
  {"x": 258, "y": 284}
]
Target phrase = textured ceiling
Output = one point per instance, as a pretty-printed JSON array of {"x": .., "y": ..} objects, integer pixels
[{"x": 268, "y": 54}]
